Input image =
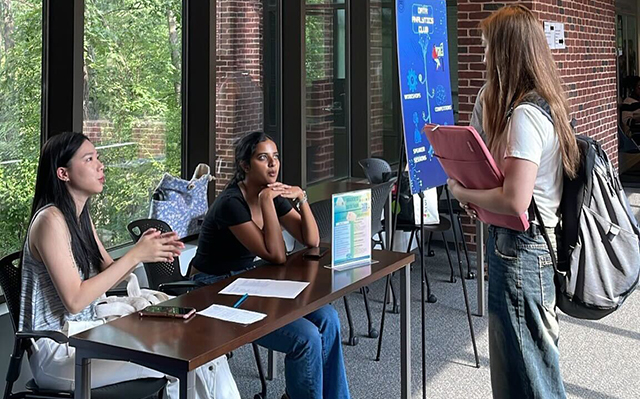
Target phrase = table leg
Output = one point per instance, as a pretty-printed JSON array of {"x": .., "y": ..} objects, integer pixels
[
  {"x": 188, "y": 385},
  {"x": 480, "y": 267},
  {"x": 83, "y": 376},
  {"x": 405, "y": 333}
]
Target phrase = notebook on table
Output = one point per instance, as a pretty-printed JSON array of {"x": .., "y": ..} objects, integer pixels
[{"x": 465, "y": 158}]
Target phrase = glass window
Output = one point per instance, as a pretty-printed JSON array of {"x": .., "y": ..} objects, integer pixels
[
  {"x": 385, "y": 134},
  {"x": 132, "y": 106},
  {"x": 240, "y": 48},
  {"x": 326, "y": 111},
  {"x": 20, "y": 88}
]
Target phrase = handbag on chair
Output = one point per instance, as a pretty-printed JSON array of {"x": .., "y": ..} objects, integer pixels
[{"x": 181, "y": 203}]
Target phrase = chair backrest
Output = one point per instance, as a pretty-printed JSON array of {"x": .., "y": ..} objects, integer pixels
[
  {"x": 376, "y": 170},
  {"x": 11, "y": 283},
  {"x": 322, "y": 212},
  {"x": 379, "y": 198},
  {"x": 157, "y": 272},
  {"x": 626, "y": 144}
]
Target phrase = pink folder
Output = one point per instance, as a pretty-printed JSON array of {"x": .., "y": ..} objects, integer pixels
[{"x": 465, "y": 158}]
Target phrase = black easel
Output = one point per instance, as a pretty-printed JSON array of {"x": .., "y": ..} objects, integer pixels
[{"x": 425, "y": 281}]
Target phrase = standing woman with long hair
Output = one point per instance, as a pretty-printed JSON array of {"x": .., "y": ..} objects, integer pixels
[
  {"x": 65, "y": 268},
  {"x": 533, "y": 153},
  {"x": 246, "y": 221}
]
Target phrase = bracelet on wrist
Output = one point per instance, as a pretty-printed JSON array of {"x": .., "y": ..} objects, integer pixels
[{"x": 300, "y": 201}]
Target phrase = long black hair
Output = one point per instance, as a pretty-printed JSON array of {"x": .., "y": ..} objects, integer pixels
[
  {"x": 244, "y": 149},
  {"x": 57, "y": 152}
]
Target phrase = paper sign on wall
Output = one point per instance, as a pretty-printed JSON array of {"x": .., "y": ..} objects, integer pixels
[{"x": 555, "y": 34}]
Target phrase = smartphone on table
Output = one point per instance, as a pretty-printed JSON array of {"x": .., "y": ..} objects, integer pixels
[
  {"x": 167, "y": 311},
  {"x": 315, "y": 253}
]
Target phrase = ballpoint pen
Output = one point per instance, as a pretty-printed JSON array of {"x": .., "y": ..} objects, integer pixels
[{"x": 242, "y": 299}]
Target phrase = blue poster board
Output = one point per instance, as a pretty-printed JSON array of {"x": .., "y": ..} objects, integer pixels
[{"x": 425, "y": 86}]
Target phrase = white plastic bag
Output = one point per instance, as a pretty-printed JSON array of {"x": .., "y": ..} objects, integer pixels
[{"x": 431, "y": 215}]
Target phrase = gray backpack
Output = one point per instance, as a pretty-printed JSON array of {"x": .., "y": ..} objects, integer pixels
[{"x": 598, "y": 263}]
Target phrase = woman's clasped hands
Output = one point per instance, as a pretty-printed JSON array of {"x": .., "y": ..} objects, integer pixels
[
  {"x": 274, "y": 190},
  {"x": 155, "y": 246}
]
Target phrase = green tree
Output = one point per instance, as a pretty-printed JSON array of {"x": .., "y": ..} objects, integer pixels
[{"x": 132, "y": 79}]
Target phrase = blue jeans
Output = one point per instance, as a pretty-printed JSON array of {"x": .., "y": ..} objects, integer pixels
[
  {"x": 523, "y": 324},
  {"x": 313, "y": 363}
]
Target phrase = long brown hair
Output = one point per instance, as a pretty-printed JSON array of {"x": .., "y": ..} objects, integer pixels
[{"x": 518, "y": 61}]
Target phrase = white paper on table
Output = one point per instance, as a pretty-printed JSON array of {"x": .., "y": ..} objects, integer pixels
[
  {"x": 233, "y": 315},
  {"x": 265, "y": 288}
]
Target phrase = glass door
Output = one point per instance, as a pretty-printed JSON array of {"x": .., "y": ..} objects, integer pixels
[{"x": 327, "y": 133}]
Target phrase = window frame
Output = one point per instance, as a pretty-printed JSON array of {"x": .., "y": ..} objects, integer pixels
[{"x": 62, "y": 47}]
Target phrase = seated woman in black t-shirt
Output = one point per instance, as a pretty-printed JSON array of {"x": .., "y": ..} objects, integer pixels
[{"x": 244, "y": 222}]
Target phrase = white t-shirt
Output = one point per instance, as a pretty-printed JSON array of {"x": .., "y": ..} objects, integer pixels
[{"x": 531, "y": 136}]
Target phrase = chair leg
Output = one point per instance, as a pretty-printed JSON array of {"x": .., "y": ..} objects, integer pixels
[
  {"x": 353, "y": 340},
  {"x": 263, "y": 381},
  {"x": 396, "y": 307},
  {"x": 373, "y": 333},
  {"x": 384, "y": 308},
  {"x": 452, "y": 278},
  {"x": 430, "y": 252},
  {"x": 271, "y": 365},
  {"x": 470, "y": 275},
  {"x": 431, "y": 298},
  {"x": 15, "y": 364}
]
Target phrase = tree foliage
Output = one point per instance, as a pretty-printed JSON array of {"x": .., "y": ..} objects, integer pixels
[{"x": 131, "y": 82}]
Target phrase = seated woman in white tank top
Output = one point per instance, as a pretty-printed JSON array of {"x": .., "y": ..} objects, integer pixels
[{"x": 66, "y": 268}]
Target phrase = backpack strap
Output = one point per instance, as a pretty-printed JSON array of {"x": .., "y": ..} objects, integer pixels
[
  {"x": 536, "y": 100},
  {"x": 536, "y": 212}
]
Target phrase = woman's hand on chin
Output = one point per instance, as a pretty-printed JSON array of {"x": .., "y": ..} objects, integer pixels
[
  {"x": 292, "y": 192},
  {"x": 271, "y": 191}
]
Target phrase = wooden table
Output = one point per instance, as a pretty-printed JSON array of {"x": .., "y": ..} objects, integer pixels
[{"x": 177, "y": 347}]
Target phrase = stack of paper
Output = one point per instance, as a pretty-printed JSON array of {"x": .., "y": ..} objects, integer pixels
[
  {"x": 233, "y": 315},
  {"x": 265, "y": 288}
]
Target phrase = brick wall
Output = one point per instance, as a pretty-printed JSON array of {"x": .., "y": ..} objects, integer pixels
[
  {"x": 376, "y": 77},
  {"x": 320, "y": 91},
  {"x": 149, "y": 136},
  {"x": 320, "y": 129},
  {"x": 94, "y": 129},
  {"x": 239, "y": 80},
  {"x": 587, "y": 65}
]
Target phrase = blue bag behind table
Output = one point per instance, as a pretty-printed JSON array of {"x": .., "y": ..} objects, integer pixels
[{"x": 182, "y": 204}]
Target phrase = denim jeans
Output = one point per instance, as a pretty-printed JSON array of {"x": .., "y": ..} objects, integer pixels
[
  {"x": 523, "y": 324},
  {"x": 313, "y": 363}
]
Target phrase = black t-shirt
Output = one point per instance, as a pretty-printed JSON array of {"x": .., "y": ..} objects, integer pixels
[{"x": 219, "y": 251}]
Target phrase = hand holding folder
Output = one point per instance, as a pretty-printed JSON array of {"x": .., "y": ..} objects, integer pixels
[{"x": 465, "y": 158}]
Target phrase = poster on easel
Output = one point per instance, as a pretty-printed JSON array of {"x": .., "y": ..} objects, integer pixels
[{"x": 425, "y": 86}]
